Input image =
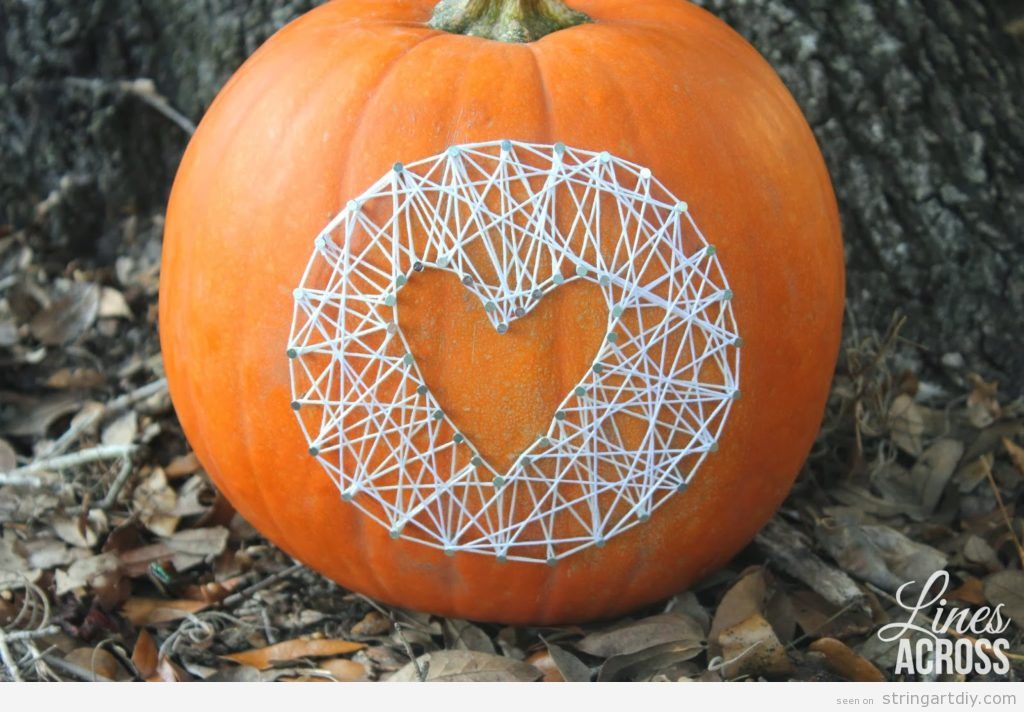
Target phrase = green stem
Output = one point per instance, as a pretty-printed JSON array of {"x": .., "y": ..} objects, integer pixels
[{"x": 505, "y": 20}]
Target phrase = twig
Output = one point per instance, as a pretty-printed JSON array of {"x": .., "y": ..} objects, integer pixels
[
  {"x": 1002, "y": 507},
  {"x": 76, "y": 671},
  {"x": 24, "y": 476},
  {"x": 237, "y": 597},
  {"x": 115, "y": 489},
  {"x": 118, "y": 404},
  {"x": 8, "y": 659},
  {"x": 145, "y": 89},
  {"x": 790, "y": 550},
  {"x": 421, "y": 670},
  {"x": 142, "y": 88},
  {"x": 32, "y": 634}
]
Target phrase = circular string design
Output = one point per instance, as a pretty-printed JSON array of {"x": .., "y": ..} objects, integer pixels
[{"x": 514, "y": 221}]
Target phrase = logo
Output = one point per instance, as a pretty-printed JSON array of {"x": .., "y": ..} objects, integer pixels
[{"x": 954, "y": 640}]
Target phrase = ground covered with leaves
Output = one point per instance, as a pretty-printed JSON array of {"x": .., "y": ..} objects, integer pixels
[{"x": 119, "y": 560}]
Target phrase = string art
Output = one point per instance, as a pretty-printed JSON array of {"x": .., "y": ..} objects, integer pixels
[{"x": 514, "y": 221}]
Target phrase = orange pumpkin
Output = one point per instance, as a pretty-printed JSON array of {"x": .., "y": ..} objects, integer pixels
[{"x": 346, "y": 100}]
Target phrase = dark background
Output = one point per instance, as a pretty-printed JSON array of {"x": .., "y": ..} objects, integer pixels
[{"x": 917, "y": 104}]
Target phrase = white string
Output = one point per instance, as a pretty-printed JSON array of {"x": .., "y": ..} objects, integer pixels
[{"x": 670, "y": 360}]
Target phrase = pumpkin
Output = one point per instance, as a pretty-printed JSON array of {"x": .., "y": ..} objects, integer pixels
[{"x": 413, "y": 265}]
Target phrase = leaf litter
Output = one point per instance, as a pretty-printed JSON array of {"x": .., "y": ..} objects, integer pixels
[{"x": 120, "y": 561}]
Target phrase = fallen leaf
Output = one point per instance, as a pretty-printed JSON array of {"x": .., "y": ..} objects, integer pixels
[
  {"x": 25, "y": 416},
  {"x": 121, "y": 431},
  {"x": 906, "y": 424},
  {"x": 970, "y": 591},
  {"x": 463, "y": 635},
  {"x": 69, "y": 317},
  {"x": 81, "y": 533},
  {"x": 184, "y": 550},
  {"x": 344, "y": 670},
  {"x": 977, "y": 551},
  {"x": 751, "y": 648},
  {"x": 642, "y": 634},
  {"x": 263, "y": 658},
  {"x": 934, "y": 469},
  {"x": 113, "y": 305},
  {"x": 467, "y": 666},
  {"x": 46, "y": 554},
  {"x": 877, "y": 553},
  {"x": 844, "y": 662},
  {"x": 372, "y": 625},
  {"x": 1006, "y": 588},
  {"x": 145, "y": 655},
  {"x": 14, "y": 568},
  {"x": 182, "y": 466},
  {"x": 76, "y": 378},
  {"x": 687, "y": 604},
  {"x": 982, "y": 405},
  {"x": 87, "y": 572},
  {"x": 154, "y": 500},
  {"x": 743, "y": 599},
  {"x": 154, "y": 611},
  {"x": 543, "y": 661},
  {"x": 99, "y": 662},
  {"x": 8, "y": 458},
  {"x": 645, "y": 664},
  {"x": 559, "y": 665},
  {"x": 1016, "y": 453}
]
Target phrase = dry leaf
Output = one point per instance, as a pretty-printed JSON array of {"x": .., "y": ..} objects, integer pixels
[
  {"x": 344, "y": 670},
  {"x": 645, "y": 664},
  {"x": 463, "y": 635},
  {"x": 1016, "y": 453},
  {"x": 82, "y": 533},
  {"x": 184, "y": 550},
  {"x": 263, "y": 658},
  {"x": 743, "y": 599},
  {"x": 642, "y": 634},
  {"x": 845, "y": 663},
  {"x": 1006, "y": 588},
  {"x": 87, "y": 572},
  {"x": 76, "y": 378},
  {"x": 100, "y": 662},
  {"x": 543, "y": 661},
  {"x": 970, "y": 591},
  {"x": 877, "y": 553},
  {"x": 154, "y": 611},
  {"x": 751, "y": 648},
  {"x": 933, "y": 470},
  {"x": 182, "y": 466},
  {"x": 559, "y": 665},
  {"x": 145, "y": 655},
  {"x": 122, "y": 431},
  {"x": 467, "y": 666},
  {"x": 46, "y": 554},
  {"x": 8, "y": 458},
  {"x": 113, "y": 305},
  {"x": 32, "y": 417},
  {"x": 982, "y": 406},
  {"x": 906, "y": 424},
  {"x": 372, "y": 625},
  {"x": 154, "y": 501},
  {"x": 69, "y": 317}
]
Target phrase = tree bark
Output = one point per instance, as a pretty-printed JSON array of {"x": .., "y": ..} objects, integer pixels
[{"x": 917, "y": 105}]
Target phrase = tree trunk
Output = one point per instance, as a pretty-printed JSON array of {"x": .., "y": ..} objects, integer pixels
[{"x": 917, "y": 105}]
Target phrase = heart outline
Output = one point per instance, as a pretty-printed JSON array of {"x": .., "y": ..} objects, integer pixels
[{"x": 503, "y": 313}]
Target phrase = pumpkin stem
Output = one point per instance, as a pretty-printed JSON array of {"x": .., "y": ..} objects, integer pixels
[{"x": 505, "y": 20}]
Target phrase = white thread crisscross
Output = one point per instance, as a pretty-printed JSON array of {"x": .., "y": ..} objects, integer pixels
[{"x": 514, "y": 221}]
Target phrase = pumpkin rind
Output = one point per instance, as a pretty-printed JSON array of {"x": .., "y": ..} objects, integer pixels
[{"x": 334, "y": 100}]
